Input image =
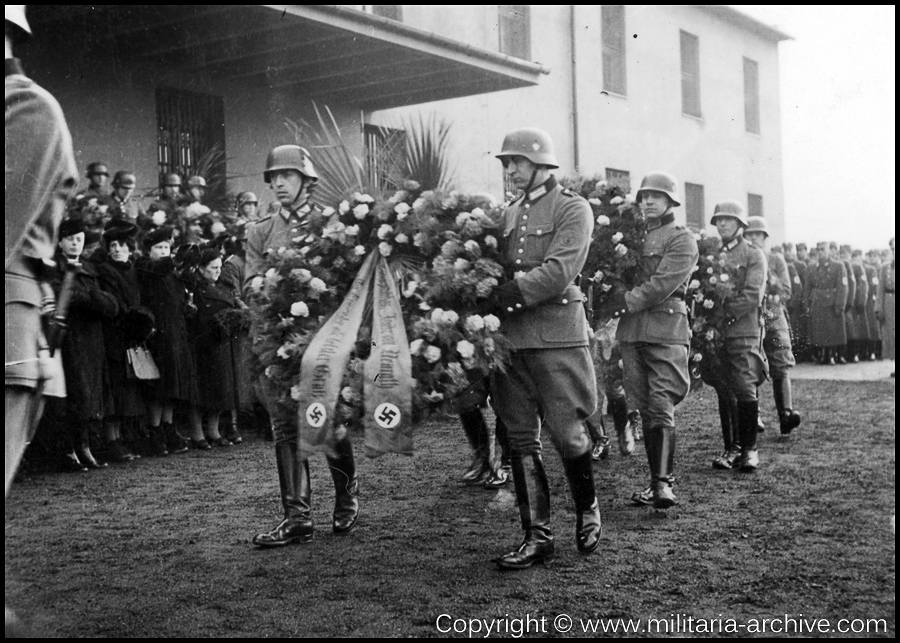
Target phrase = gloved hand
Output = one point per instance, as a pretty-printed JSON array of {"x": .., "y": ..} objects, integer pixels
[{"x": 507, "y": 298}]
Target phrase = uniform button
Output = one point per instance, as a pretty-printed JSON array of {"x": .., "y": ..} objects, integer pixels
[
  {"x": 509, "y": 310},
  {"x": 671, "y": 311},
  {"x": 565, "y": 301},
  {"x": 539, "y": 233},
  {"x": 525, "y": 217},
  {"x": 518, "y": 261},
  {"x": 518, "y": 305},
  {"x": 527, "y": 205},
  {"x": 521, "y": 250},
  {"x": 523, "y": 228}
]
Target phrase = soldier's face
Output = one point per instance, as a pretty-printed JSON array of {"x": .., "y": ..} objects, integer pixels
[
  {"x": 758, "y": 239},
  {"x": 519, "y": 170},
  {"x": 654, "y": 204},
  {"x": 248, "y": 210},
  {"x": 727, "y": 227},
  {"x": 99, "y": 180},
  {"x": 124, "y": 193},
  {"x": 287, "y": 185},
  {"x": 198, "y": 192},
  {"x": 803, "y": 253},
  {"x": 171, "y": 191}
]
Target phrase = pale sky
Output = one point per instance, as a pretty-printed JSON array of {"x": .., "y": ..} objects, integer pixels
[{"x": 838, "y": 120}]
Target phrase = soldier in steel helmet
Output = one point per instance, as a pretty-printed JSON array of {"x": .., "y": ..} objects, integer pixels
[
  {"x": 550, "y": 382},
  {"x": 777, "y": 341},
  {"x": 290, "y": 174},
  {"x": 743, "y": 333},
  {"x": 122, "y": 203},
  {"x": 654, "y": 335},
  {"x": 97, "y": 175},
  {"x": 826, "y": 298}
]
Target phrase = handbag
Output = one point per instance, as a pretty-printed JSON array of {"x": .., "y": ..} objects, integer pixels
[{"x": 141, "y": 364}]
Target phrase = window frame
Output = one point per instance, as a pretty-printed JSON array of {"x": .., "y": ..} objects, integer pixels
[
  {"x": 690, "y": 74},
  {"x": 613, "y": 42}
]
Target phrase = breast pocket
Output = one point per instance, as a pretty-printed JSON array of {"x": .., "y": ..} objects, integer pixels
[{"x": 538, "y": 239}]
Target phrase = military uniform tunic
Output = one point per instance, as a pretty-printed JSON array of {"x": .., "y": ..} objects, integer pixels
[
  {"x": 859, "y": 325},
  {"x": 777, "y": 340},
  {"x": 826, "y": 298},
  {"x": 654, "y": 333},
  {"x": 874, "y": 332},
  {"x": 743, "y": 333},
  {"x": 546, "y": 235},
  {"x": 884, "y": 308}
]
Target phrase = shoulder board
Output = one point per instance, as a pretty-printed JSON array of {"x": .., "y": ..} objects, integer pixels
[{"x": 568, "y": 192}]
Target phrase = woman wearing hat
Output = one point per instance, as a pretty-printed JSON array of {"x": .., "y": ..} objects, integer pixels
[
  {"x": 214, "y": 338},
  {"x": 132, "y": 325},
  {"x": 83, "y": 352},
  {"x": 166, "y": 295}
]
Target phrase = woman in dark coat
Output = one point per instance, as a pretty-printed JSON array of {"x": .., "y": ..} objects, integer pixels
[
  {"x": 167, "y": 297},
  {"x": 88, "y": 398},
  {"x": 132, "y": 325},
  {"x": 214, "y": 331}
]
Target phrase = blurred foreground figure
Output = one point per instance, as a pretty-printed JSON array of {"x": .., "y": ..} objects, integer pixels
[{"x": 40, "y": 176}]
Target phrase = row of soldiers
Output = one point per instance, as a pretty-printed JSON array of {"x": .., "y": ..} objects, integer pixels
[
  {"x": 183, "y": 205},
  {"x": 833, "y": 305}
]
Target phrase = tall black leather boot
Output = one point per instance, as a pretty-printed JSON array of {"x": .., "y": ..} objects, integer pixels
[
  {"x": 533, "y": 498},
  {"x": 293, "y": 479},
  {"x": 788, "y": 418},
  {"x": 618, "y": 409},
  {"x": 660, "y": 444},
  {"x": 729, "y": 422},
  {"x": 748, "y": 417},
  {"x": 502, "y": 471},
  {"x": 346, "y": 488},
  {"x": 580, "y": 474},
  {"x": 476, "y": 431}
]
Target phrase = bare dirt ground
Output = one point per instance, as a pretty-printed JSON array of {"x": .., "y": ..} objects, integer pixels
[{"x": 161, "y": 547}]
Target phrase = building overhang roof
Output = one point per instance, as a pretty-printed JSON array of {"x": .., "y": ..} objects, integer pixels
[
  {"x": 729, "y": 14},
  {"x": 326, "y": 52}
]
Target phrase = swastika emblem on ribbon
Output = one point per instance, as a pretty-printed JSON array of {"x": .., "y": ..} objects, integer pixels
[
  {"x": 387, "y": 415},
  {"x": 315, "y": 414}
]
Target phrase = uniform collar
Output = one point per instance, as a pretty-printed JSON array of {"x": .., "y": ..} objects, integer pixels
[
  {"x": 298, "y": 214},
  {"x": 541, "y": 190},
  {"x": 14, "y": 67},
  {"x": 653, "y": 224},
  {"x": 731, "y": 245}
]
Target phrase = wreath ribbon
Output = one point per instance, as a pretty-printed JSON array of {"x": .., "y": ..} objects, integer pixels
[{"x": 387, "y": 389}]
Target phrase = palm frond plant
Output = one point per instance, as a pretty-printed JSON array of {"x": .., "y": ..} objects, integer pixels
[{"x": 425, "y": 157}]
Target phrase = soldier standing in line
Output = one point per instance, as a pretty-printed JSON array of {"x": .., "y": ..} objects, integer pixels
[
  {"x": 826, "y": 298},
  {"x": 884, "y": 306},
  {"x": 837, "y": 254},
  {"x": 743, "y": 339},
  {"x": 98, "y": 177},
  {"x": 40, "y": 176},
  {"x": 550, "y": 381},
  {"x": 777, "y": 341},
  {"x": 290, "y": 174},
  {"x": 858, "y": 332},
  {"x": 654, "y": 334},
  {"x": 797, "y": 313},
  {"x": 872, "y": 263},
  {"x": 121, "y": 204}
]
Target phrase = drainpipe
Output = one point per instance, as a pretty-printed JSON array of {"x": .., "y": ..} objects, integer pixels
[{"x": 575, "y": 152}]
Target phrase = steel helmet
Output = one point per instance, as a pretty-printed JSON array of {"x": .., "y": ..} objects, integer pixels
[
  {"x": 171, "y": 179},
  {"x": 196, "y": 181},
  {"x": 289, "y": 157},
  {"x": 124, "y": 179},
  {"x": 731, "y": 209},
  {"x": 660, "y": 182},
  {"x": 532, "y": 143},
  {"x": 246, "y": 197},
  {"x": 757, "y": 224},
  {"x": 96, "y": 168},
  {"x": 15, "y": 14}
]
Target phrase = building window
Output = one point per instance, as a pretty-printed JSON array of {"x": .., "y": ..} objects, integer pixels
[
  {"x": 754, "y": 205},
  {"x": 190, "y": 131},
  {"x": 515, "y": 30},
  {"x": 694, "y": 206},
  {"x": 619, "y": 178},
  {"x": 751, "y": 95},
  {"x": 385, "y": 153},
  {"x": 612, "y": 17},
  {"x": 690, "y": 74},
  {"x": 391, "y": 11}
]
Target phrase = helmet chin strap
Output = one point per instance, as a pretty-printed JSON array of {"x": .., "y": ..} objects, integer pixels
[{"x": 531, "y": 180}]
